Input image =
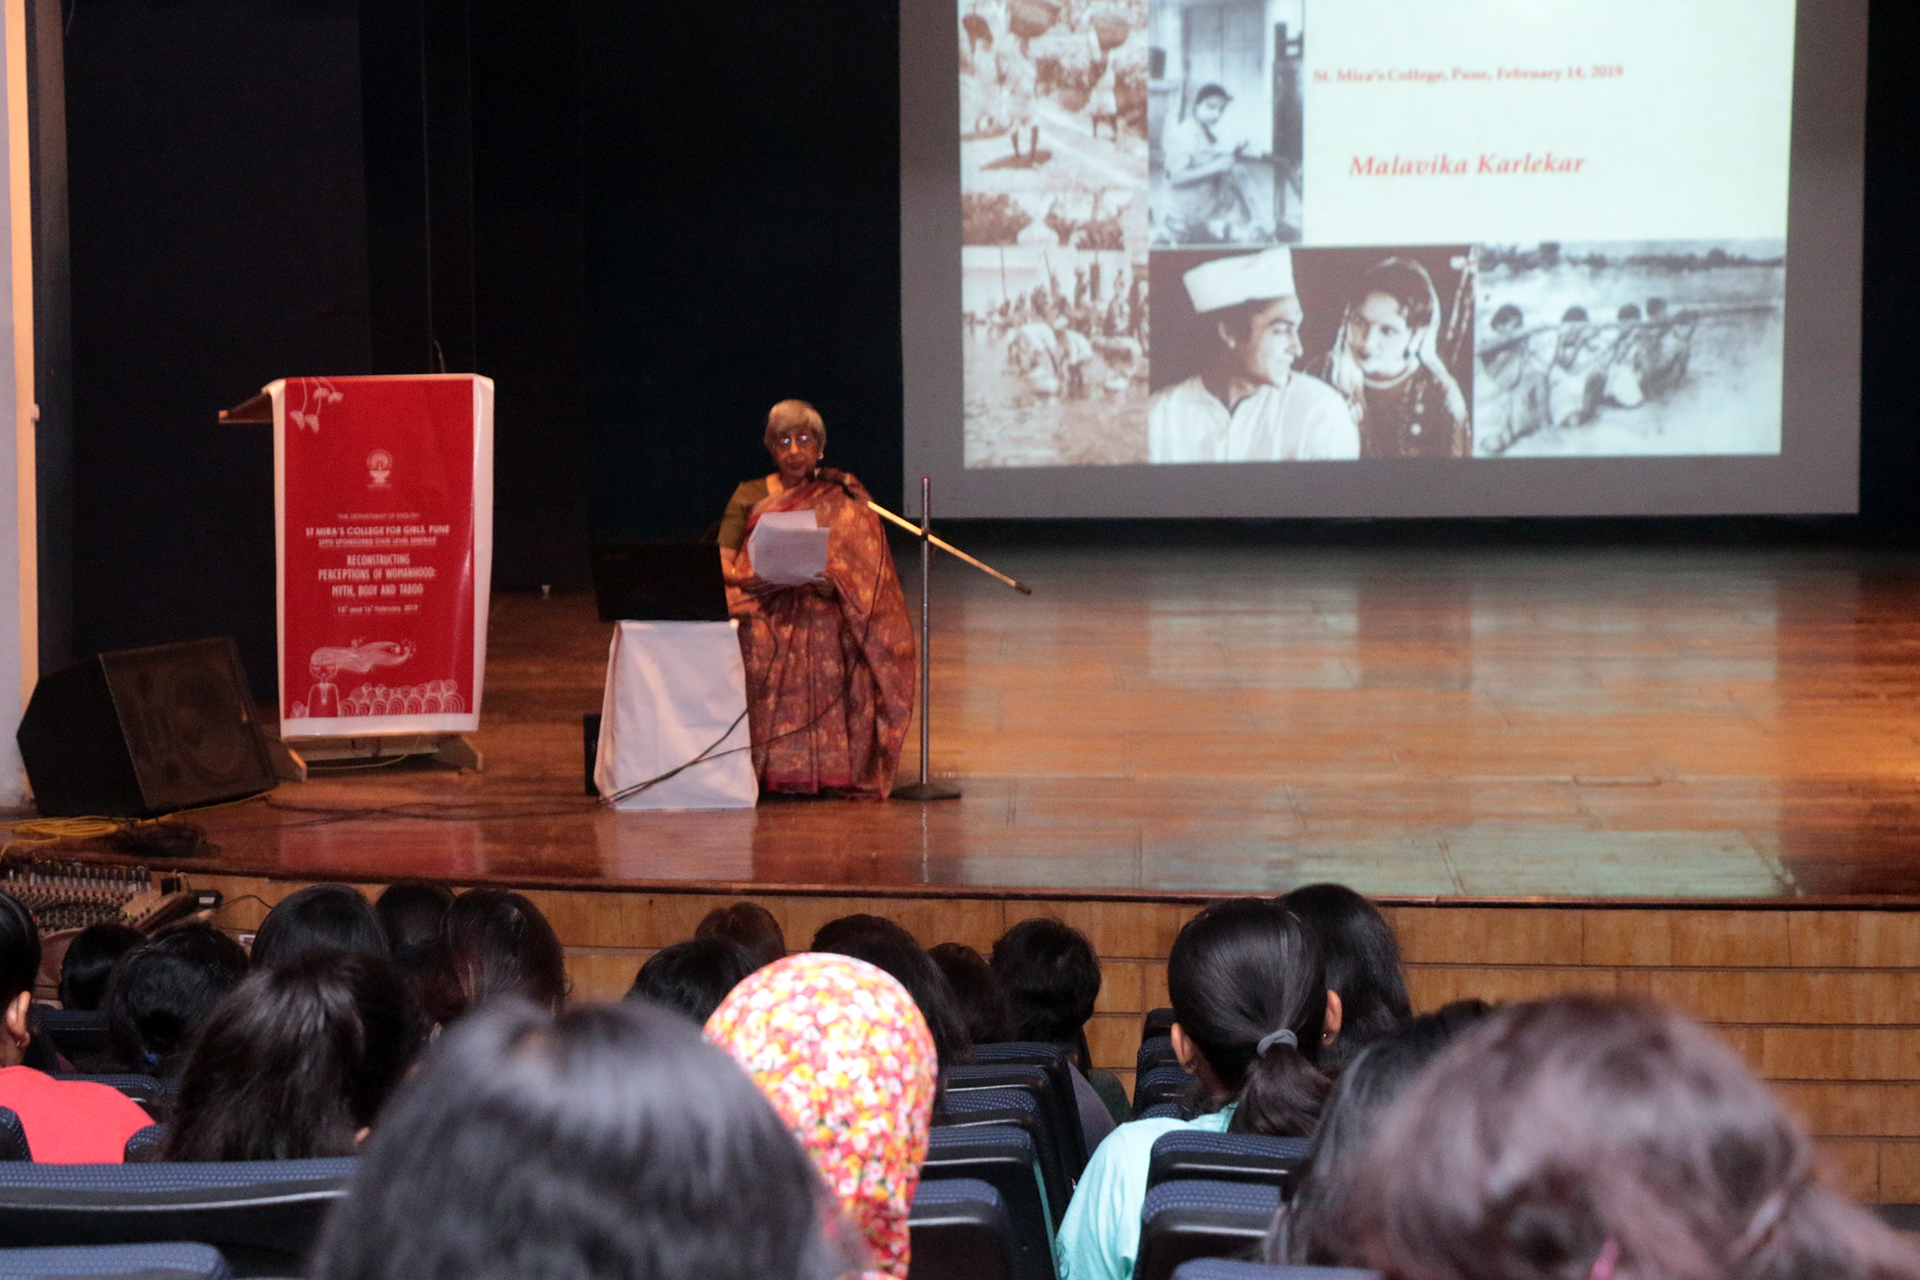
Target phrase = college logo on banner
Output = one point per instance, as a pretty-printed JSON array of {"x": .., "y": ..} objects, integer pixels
[{"x": 384, "y": 494}]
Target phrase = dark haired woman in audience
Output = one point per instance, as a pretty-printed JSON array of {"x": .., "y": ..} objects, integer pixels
[
  {"x": 749, "y": 926},
  {"x": 89, "y": 961},
  {"x": 1252, "y": 1014},
  {"x": 320, "y": 917},
  {"x": 1601, "y": 1138},
  {"x": 66, "y": 1121},
  {"x": 297, "y": 1061},
  {"x": 609, "y": 1142},
  {"x": 888, "y": 946},
  {"x": 1362, "y": 956},
  {"x": 976, "y": 992},
  {"x": 841, "y": 1051},
  {"x": 410, "y": 912},
  {"x": 163, "y": 989},
  {"x": 494, "y": 943},
  {"x": 1370, "y": 1082},
  {"x": 1052, "y": 978},
  {"x": 692, "y": 977}
]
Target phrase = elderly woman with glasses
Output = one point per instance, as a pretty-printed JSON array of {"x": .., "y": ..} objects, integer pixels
[{"x": 830, "y": 662}]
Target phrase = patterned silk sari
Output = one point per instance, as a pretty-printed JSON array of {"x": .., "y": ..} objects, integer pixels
[{"x": 830, "y": 682}]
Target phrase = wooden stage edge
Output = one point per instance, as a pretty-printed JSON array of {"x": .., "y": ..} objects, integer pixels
[{"x": 196, "y": 868}]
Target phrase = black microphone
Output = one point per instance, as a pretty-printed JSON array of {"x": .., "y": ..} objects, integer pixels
[{"x": 834, "y": 476}]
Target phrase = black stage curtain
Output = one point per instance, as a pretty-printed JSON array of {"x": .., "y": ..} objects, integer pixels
[{"x": 743, "y": 240}]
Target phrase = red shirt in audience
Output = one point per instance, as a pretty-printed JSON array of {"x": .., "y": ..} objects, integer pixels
[{"x": 71, "y": 1121}]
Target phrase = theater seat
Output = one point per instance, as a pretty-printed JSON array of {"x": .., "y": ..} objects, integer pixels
[
  {"x": 1003, "y": 1157},
  {"x": 73, "y": 1031},
  {"x": 1015, "y": 1107},
  {"x": 1160, "y": 1111},
  {"x": 133, "y": 1261},
  {"x": 145, "y": 1145},
  {"x": 152, "y": 1092},
  {"x": 1223, "y": 1269},
  {"x": 263, "y": 1216},
  {"x": 1162, "y": 1084},
  {"x": 1228, "y": 1157},
  {"x": 1061, "y": 1114},
  {"x": 13, "y": 1136},
  {"x": 1157, "y": 1052},
  {"x": 1158, "y": 1022},
  {"x": 1195, "y": 1218},
  {"x": 960, "y": 1231},
  {"x": 1058, "y": 1064}
]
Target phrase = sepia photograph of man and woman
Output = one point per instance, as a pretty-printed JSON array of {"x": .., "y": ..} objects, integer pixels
[{"x": 1302, "y": 355}]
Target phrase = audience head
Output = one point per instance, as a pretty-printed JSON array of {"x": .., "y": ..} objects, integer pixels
[
  {"x": 409, "y": 912},
  {"x": 749, "y": 926},
  {"x": 1587, "y": 1136},
  {"x": 608, "y": 1142},
  {"x": 89, "y": 962},
  {"x": 162, "y": 991},
  {"x": 492, "y": 943},
  {"x": 1371, "y": 1081},
  {"x": 885, "y": 945},
  {"x": 19, "y": 965},
  {"x": 976, "y": 992},
  {"x": 320, "y": 917},
  {"x": 1051, "y": 978},
  {"x": 1363, "y": 966},
  {"x": 296, "y": 1061},
  {"x": 811, "y": 1018},
  {"x": 1252, "y": 1012},
  {"x": 692, "y": 977}
]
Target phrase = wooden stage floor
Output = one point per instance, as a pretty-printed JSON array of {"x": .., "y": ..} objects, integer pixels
[{"x": 1168, "y": 723}]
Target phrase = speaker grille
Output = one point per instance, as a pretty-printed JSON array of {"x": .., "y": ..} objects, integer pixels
[{"x": 189, "y": 724}]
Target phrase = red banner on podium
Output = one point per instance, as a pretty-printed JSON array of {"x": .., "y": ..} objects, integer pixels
[{"x": 383, "y": 499}]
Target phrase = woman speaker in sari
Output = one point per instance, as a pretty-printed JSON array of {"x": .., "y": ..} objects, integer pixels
[{"x": 830, "y": 662}]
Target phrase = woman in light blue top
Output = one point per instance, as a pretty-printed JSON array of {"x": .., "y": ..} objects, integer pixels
[{"x": 1252, "y": 1012}]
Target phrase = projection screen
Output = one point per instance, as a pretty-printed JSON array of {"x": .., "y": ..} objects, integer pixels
[{"x": 1259, "y": 258}]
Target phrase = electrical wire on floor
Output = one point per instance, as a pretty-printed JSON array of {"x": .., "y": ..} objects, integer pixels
[
  {"x": 433, "y": 811},
  {"x": 383, "y": 762},
  {"x": 165, "y": 829}
]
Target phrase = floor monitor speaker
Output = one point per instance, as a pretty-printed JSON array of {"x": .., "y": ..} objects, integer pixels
[{"x": 140, "y": 732}]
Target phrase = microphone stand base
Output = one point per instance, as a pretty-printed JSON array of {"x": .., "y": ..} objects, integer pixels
[{"x": 924, "y": 791}]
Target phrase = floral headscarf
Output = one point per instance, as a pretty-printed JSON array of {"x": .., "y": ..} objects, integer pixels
[{"x": 845, "y": 1057}]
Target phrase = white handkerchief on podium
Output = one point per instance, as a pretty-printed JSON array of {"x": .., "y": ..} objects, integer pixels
[{"x": 788, "y": 547}]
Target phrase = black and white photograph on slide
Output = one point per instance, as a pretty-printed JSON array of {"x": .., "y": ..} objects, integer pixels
[
  {"x": 1306, "y": 355},
  {"x": 1055, "y": 356},
  {"x": 1053, "y": 121},
  {"x": 1225, "y": 121},
  {"x": 1630, "y": 349}
]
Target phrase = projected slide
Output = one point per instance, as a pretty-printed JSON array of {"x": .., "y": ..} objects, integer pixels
[{"x": 1198, "y": 231}]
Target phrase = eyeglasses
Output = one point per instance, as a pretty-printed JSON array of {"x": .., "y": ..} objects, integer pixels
[{"x": 791, "y": 439}]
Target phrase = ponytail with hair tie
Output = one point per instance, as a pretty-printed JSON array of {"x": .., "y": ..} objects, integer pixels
[
  {"x": 1272, "y": 1038},
  {"x": 1244, "y": 976}
]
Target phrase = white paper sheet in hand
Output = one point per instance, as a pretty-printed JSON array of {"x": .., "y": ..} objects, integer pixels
[{"x": 788, "y": 547}]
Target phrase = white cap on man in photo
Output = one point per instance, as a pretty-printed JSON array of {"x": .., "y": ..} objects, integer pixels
[{"x": 1227, "y": 282}]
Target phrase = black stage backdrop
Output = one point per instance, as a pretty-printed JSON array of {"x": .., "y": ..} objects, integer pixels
[
  {"x": 646, "y": 221},
  {"x": 743, "y": 246},
  {"x": 218, "y": 239}
]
